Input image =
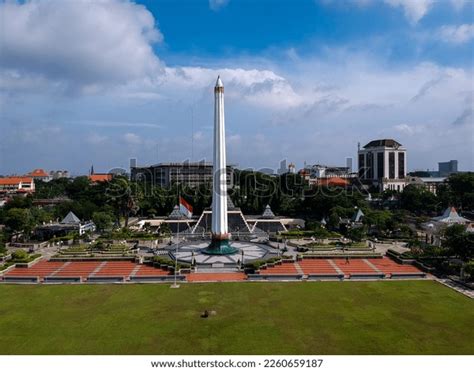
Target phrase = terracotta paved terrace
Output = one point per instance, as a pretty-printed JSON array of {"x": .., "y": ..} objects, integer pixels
[
  {"x": 148, "y": 270},
  {"x": 354, "y": 266},
  {"x": 77, "y": 269},
  {"x": 117, "y": 268},
  {"x": 41, "y": 269},
  {"x": 84, "y": 270},
  {"x": 351, "y": 268},
  {"x": 282, "y": 269},
  {"x": 315, "y": 266},
  {"x": 388, "y": 266}
]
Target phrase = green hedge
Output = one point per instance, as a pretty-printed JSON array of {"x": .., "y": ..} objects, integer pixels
[{"x": 161, "y": 260}]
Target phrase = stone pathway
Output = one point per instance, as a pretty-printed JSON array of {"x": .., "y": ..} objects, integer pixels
[
  {"x": 457, "y": 287},
  {"x": 334, "y": 265},
  {"x": 135, "y": 270},
  {"x": 372, "y": 266},
  {"x": 60, "y": 269},
  {"x": 95, "y": 271},
  {"x": 298, "y": 268}
]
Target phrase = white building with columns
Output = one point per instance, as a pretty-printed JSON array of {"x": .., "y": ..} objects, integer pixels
[{"x": 383, "y": 164}]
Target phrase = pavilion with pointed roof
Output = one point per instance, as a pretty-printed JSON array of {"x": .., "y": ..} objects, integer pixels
[
  {"x": 71, "y": 218},
  {"x": 358, "y": 216},
  {"x": 69, "y": 224},
  {"x": 451, "y": 216}
]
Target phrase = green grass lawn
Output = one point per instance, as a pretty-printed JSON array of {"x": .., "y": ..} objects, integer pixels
[{"x": 404, "y": 317}]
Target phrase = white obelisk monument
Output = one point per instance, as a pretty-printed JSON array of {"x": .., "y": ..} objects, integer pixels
[{"x": 219, "y": 226}]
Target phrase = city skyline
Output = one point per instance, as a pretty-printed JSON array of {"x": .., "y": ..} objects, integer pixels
[{"x": 301, "y": 92}]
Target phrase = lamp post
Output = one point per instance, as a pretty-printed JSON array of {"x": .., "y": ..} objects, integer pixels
[{"x": 175, "y": 284}]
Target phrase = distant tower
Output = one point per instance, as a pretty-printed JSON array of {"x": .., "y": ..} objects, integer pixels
[
  {"x": 92, "y": 170},
  {"x": 219, "y": 226},
  {"x": 349, "y": 164}
]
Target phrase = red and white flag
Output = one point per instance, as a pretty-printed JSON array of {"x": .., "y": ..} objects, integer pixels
[{"x": 185, "y": 208}]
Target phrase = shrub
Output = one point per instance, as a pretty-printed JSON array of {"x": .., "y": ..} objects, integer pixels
[
  {"x": 255, "y": 265},
  {"x": 164, "y": 261},
  {"x": 19, "y": 255},
  {"x": 469, "y": 269}
]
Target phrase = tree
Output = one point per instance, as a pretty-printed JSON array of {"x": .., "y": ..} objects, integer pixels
[
  {"x": 382, "y": 220},
  {"x": 357, "y": 234},
  {"x": 103, "y": 220},
  {"x": 333, "y": 221},
  {"x": 19, "y": 220},
  {"x": 3, "y": 248},
  {"x": 459, "y": 242},
  {"x": 165, "y": 229},
  {"x": 462, "y": 187},
  {"x": 123, "y": 196},
  {"x": 469, "y": 269},
  {"x": 40, "y": 215},
  {"x": 418, "y": 200},
  {"x": 51, "y": 189}
]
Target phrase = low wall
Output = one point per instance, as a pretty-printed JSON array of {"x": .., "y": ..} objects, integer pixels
[
  {"x": 367, "y": 275},
  {"x": 408, "y": 275},
  {"x": 275, "y": 277},
  {"x": 28, "y": 265},
  {"x": 93, "y": 279},
  {"x": 21, "y": 279},
  {"x": 59, "y": 279},
  {"x": 157, "y": 278},
  {"x": 325, "y": 276}
]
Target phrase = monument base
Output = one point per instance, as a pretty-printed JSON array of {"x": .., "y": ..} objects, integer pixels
[{"x": 219, "y": 247}]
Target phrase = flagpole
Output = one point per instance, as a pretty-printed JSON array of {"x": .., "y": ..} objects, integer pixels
[{"x": 175, "y": 284}]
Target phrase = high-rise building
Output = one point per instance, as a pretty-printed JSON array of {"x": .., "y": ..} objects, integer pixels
[
  {"x": 447, "y": 168},
  {"x": 349, "y": 164},
  {"x": 383, "y": 164},
  {"x": 191, "y": 174}
]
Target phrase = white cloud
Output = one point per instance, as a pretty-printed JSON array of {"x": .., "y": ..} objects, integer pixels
[
  {"x": 410, "y": 129},
  {"x": 362, "y": 3},
  {"x": 274, "y": 109},
  {"x": 132, "y": 138},
  {"x": 105, "y": 47},
  {"x": 95, "y": 138},
  {"x": 456, "y": 34},
  {"x": 84, "y": 42},
  {"x": 414, "y": 9},
  {"x": 257, "y": 87},
  {"x": 198, "y": 135},
  {"x": 217, "y": 4},
  {"x": 115, "y": 124},
  {"x": 459, "y": 4}
]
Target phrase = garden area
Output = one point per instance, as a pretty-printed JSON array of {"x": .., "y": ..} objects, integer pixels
[
  {"x": 17, "y": 256},
  {"x": 98, "y": 249}
]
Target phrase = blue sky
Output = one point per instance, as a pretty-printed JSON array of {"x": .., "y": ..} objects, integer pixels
[
  {"x": 100, "y": 83},
  {"x": 255, "y": 27}
]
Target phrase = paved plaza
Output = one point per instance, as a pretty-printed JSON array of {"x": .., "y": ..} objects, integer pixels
[{"x": 246, "y": 251}]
